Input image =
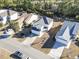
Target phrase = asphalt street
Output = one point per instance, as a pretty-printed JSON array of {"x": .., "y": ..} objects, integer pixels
[{"x": 13, "y": 45}]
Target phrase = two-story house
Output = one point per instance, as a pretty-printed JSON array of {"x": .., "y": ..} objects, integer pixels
[
  {"x": 42, "y": 24},
  {"x": 67, "y": 32}
]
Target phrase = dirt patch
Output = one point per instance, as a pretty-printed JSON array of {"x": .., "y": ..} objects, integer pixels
[
  {"x": 39, "y": 42},
  {"x": 4, "y": 54},
  {"x": 20, "y": 39},
  {"x": 71, "y": 52}
]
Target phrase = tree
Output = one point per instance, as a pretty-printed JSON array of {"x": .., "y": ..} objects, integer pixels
[
  {"x": 69, "y": 7},
  {"x": 7, "y": 2},
  {"x": 19, "y": 4},
  {"x": 1, "y": 3},
  {"x": 27, "y": 5}
]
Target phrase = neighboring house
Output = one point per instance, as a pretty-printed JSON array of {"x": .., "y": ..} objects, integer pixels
[
  {"x": 21, "y": 20},
  {"x": 6, "y": 14},
  {"x": 27, "y": 19},
  {"x": 67, "y": 32},
  {"x": 28, "y": 23},
  {"x": 42, "y": 24},
  {"x": 30, "y": 18}
]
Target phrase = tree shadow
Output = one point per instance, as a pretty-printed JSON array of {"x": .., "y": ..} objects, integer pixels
[
  {"x": 57, "y": 19},
  {"x": 22, "y": 34},
  {"x": 51, "y": 40}
]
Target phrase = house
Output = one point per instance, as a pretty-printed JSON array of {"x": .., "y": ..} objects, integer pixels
[
  {"x": 27, "y": 23},
  {"x": 24, "y": 22},
  {"x": 67, "y": 32},
  {"x": 26, "y": 19},
  {"x": 42, "y": 24},
  {"x": 7, "y": 14},
  {"x": 30, "y": 18},
  {"x": 21, "y": 19}
]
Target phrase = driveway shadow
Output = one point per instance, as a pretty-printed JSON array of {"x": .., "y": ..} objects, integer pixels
[
  {"x": 49, "y": 43},
  {"x": 51, "y": 40}
]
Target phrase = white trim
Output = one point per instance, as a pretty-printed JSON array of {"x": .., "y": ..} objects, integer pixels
[
  {"x": 36, "y": 32},
  {"x": 61, "y": 41},
  {"x": 50, "y": 25},
  {"x": 69, "y": 44},
  {"x": 1, "y": 11}
]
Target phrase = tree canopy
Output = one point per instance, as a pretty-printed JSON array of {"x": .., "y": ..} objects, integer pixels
[
  {"x": 69, "y": 7},
  {"x": 66, "y": 7}
]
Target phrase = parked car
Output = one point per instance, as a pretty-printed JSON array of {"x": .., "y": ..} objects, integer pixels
[
  {"x": 28, "y": 58},
  {"x": 17, "y": 55}
]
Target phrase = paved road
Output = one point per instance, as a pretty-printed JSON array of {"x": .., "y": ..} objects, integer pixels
[{"x": 13, "y": 46}]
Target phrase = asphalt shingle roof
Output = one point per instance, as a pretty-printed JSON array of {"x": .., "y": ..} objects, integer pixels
[
  {"x": 5, "y": 12},
  {"x": 73, "y": 27},
  {"x": 42, "y": 21}
]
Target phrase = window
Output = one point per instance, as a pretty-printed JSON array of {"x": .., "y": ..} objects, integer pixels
[
  {"x": 45, "y": 27},
  {"x": 34, "y": 28}
]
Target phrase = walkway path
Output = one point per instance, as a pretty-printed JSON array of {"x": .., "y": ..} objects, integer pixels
[{"x": 57, "y": 50}]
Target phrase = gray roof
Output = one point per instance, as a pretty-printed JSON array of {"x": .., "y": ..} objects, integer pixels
[
  {"x": 3, "y": 14},
  {"x": 42, "y": 21},
  {"x": 73, "y": 27},
  {"x": 65, "y": 35},
  {"x": 68, "y": 29}
]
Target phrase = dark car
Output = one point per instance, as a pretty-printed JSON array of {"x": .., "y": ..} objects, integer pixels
[{"x": 16, "y": 55}]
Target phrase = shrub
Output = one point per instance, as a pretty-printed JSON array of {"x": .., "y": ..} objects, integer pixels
[
  {"x": 14, "y": 25},
  {"x": 1, "y": 25}
]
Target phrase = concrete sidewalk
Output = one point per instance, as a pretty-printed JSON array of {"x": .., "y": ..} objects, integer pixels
[
  {"x": 57, "y": 50},
  {"x": 29, "y": 40}
]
